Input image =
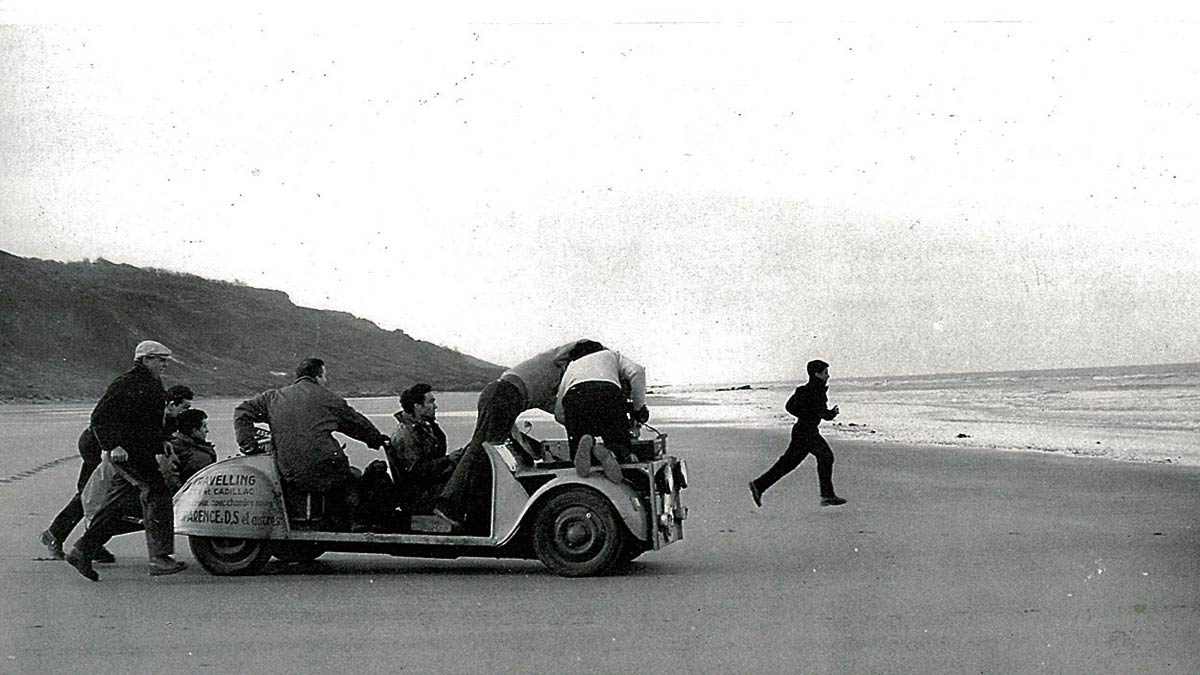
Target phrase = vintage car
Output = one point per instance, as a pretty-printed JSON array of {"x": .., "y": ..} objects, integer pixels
[{"x": 236, "y": 515}]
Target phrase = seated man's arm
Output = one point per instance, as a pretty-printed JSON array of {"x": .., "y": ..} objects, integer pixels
[
  {"x": 244, "y": 416},
  {"x": 356, "y": 425}
]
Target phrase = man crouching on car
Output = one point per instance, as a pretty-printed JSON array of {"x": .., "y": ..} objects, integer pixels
[{"x": 302, "y": 417}]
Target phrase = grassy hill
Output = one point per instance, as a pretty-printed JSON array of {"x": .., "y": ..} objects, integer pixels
[{"x": 66, "y": 329}]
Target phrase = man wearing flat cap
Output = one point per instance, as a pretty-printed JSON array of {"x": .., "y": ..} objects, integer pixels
[{"x": 128, "y": 424}]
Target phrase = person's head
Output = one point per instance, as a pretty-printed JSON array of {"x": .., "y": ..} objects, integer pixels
[
  {"x": 193, "y": 422},
  {"x": 419, "y": 401},
  {"x": 153, "y": 355},
  {"x": 818, "y": 369},
  {"x": 312, "y": 367},
  {"x": 178, "y": 399},
  {"x": 583, "y": 348}
]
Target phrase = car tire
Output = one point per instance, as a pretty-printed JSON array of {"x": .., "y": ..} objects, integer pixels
[
  {"x": 578, "y": 533},
  {"x": 224, "y": 556},
  {"x": 296, "y": 551}
]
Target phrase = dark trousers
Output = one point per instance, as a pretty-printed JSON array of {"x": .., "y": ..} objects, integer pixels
[
  {"x": 72, "y": 513},
  {"x": 598, "y": 409},
  {"x": 337, "y": 481},
  {"x": 157, "y": 511},
  {"x": 424, "y": 481},
  {"x": 804, "y": 443},
  {"x": 467, "y": 495}
]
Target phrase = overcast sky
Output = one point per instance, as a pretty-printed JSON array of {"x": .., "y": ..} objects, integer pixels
[{"x": 721, "y": 197}]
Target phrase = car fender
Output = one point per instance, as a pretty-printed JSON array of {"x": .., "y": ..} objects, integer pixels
[
  {"x": 239, "y": 497},
  {"x": 622, "y": 497}
]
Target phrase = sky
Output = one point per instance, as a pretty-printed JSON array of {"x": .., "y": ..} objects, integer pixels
[{"x": 720, "y": 194}]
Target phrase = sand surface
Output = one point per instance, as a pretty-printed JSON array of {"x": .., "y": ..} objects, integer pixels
[{"x": 945, "y": 560}]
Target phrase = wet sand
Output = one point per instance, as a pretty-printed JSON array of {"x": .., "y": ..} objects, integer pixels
[{"x": 945, "y": 560}]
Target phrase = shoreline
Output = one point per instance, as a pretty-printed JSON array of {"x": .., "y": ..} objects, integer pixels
[{"x": 706, "y": 413}]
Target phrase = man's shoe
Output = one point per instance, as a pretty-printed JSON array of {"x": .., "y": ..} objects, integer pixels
[
  {"x": 104, "y": 556},
  {"x": 79, "y": 562},
  {"x": 756, "y": 494},
  {"x": 583, "y": 456},
  {"x": 53, "y": 546},
  {"x": 612, "y": 470},
  {"x": 454, "y": 523},
  {"x": 164, "y": 565},
  {"x": 832, "y": 501}
]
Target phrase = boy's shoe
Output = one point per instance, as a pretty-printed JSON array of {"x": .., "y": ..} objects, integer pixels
[
  {"x": 612, "y": 469},
  {"x": 832, "y": 501},
  {"x": 104, "y": 556},
  {"x": 53, "y": 546},
  {"x": 163, "y": 565},
  {"x": 756, "y": 494},
  {"x": 583, "y": 456},
  {"x": 82, "y": 564}
]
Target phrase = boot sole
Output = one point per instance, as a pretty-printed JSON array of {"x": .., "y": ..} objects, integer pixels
[
  {"x": 583, "y": 456},
  {"x": 756, "y": 495},
  {"x": 612, "y": 470}
]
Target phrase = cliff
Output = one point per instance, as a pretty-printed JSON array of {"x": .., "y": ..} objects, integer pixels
[{"x": 66, "y": 329}]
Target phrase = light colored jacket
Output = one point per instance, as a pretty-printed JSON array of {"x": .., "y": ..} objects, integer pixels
[{"x": 604, "y": 366}]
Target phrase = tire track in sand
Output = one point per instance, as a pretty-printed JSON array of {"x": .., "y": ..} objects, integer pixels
[{"x": 29, "y": 473}]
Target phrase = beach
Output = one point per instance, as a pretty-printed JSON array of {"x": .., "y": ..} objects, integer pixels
[{"x": 946, "y": 559}]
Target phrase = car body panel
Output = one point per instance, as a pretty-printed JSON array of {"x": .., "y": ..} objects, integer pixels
[{"x": 242, "y": 497}]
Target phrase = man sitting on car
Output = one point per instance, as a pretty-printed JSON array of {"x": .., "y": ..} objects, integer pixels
[
  {"x": 302, "y": 417},
  {"x": 417, "y": 456},
  {"x": 190, "y": 446}
]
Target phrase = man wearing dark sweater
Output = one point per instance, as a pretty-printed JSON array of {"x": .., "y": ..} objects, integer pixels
[
  {"x": 128, "y": 425},
  {"x": 808, "y": 405}
]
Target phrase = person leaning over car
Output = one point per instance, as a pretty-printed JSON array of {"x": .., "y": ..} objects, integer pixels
[
  {"x": 532, "y": 383},
  {"x": 302, "y": 417},
  {"x": 592, "y": 402}
]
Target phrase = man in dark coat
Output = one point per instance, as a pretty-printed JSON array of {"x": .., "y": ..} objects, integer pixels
[
  {"x": 178, "y": 398},
  {"x": 302, "y": 417},
  {"x": 417, "y": 455},
  {"x": 808, "y": 405},
  {"x": 128, "y": 424},
  {"x": 190, "y": 446}
]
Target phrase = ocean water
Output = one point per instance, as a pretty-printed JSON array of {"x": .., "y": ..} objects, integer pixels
[
  {"x": 1136, "y": 413},
  {"x": 1140, "y": 414}
]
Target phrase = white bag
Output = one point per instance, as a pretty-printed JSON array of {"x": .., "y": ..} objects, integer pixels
[{"x": 96, "y": 490}]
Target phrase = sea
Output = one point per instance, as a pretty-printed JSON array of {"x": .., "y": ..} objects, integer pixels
[
  {"x": 1128, "y": 413},
  {"x": 1132, "y": 414}
]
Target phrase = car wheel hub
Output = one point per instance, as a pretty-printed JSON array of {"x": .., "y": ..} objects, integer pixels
[{"x": 578, "y": 531}]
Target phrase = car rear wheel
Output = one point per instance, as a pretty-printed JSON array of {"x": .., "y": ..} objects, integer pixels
[
  {"x": 226, "y": 556},
  {"x": 578, "y": 533},
  {"x": 296, "y": 551}
]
